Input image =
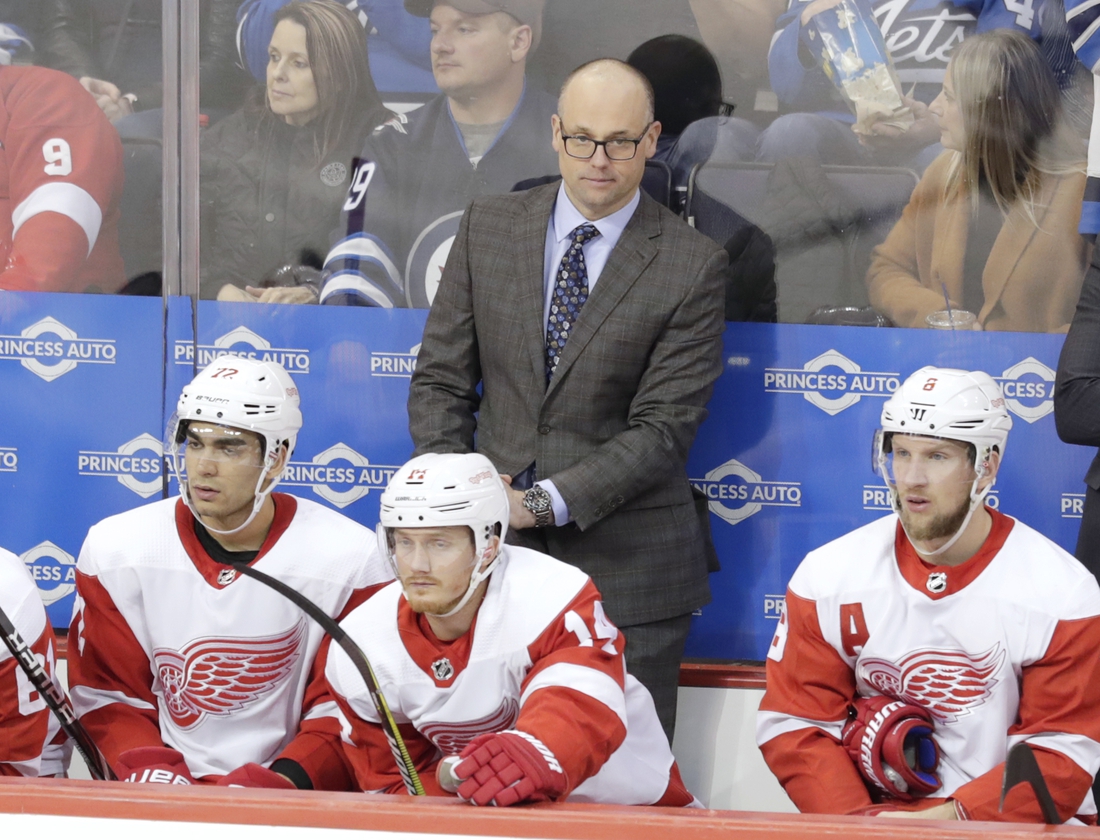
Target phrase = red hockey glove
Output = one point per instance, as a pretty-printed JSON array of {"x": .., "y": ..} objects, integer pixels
[
  {"x": 891, "y": 743},
  {"x": 504, "y": 768},
  {"x": 153, "y": 765},
  {"x": 255, "y": 776}
]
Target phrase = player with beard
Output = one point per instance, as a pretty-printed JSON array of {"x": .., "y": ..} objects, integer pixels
[
  {"x": 914, "y": 652},
  {"x": 495, "y": 654},
  {"x": 181, "y": 669}
]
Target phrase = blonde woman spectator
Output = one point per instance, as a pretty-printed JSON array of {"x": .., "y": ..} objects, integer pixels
[{"x": 993, "y": 222}]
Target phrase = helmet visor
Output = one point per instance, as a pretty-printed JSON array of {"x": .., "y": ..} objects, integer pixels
[
  {"x": 196, "y": 441},
  {"x": 917, "y": 461}
]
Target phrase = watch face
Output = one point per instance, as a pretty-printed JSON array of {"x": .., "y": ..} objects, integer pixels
[{"x": 537, "y": 500}]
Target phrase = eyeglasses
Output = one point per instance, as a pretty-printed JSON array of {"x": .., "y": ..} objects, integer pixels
[{"x": 617, "y": 149}]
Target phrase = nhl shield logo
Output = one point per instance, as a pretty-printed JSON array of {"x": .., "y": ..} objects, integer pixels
[
  {"x": 226, "y": 577},
  {"x": 442, "y": 669},
  {"x": 937, "y": 582}
]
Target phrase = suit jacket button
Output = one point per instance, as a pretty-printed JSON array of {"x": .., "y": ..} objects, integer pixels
[
  {"x": 619, "y": 500},
  {"x": 599, "y": 511},
  {"x": 544, "y": 430}
]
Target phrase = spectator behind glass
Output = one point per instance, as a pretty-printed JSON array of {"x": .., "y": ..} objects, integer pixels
[
  {"x": 994, "y": 219},
  {"x": 114, "y": 48},
  {"x": 920, "y": 35},
  {"x": 485, "y": 133},
  {"x": 60, "y": 185},
  {"x": 274, "y": 174},
  {"x": 687, "y": 85}
]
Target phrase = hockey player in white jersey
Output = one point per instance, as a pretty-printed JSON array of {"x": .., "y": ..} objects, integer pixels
[
  {"x": 180, "y": 668},
  {"x": 30, "y": 743},
  {"x": 914, "y": 652},
  {"x": 495, "y": 653}
]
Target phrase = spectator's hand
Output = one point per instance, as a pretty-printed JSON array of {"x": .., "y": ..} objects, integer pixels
[
  {"x": 890, "y": 139},
  {"x": 283, "y": 294},
  {"x": 519, "y": 517},
  {"x": 108, "y": 97},
  {"x": 235, "y": 294}
]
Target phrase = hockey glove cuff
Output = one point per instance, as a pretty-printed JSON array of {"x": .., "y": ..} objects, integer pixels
[
  {"x": 891, "y": 743},
  {"x": 256, "y": 776},
  {"x": 505, "y": 768},
  {"x": 153, "y": 765}
]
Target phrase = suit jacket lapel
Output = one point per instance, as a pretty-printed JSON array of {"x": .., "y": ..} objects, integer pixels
[
  {"x": 633, "y": 252},
  {"x": 530, "y": 232}
]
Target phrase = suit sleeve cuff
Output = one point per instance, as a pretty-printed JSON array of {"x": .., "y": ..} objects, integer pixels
[{"x": 561, "y": 509}]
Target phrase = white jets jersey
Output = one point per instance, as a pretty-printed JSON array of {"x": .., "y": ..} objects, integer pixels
[
  {"x": 541, "y": 657},
  {"x": 28, "y": 729},
  {"x": 168, "y": 646},
  {"x": 1000, "y": 649}
]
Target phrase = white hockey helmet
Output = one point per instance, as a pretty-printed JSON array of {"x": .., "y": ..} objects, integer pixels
[
  {"x": 246, "y": 394},
  {"x": 952, "y": 404},
  {"x": 442, "y": 490}
]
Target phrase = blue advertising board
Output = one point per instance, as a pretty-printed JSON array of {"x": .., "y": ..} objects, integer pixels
[{"x": 784, "y": 457}]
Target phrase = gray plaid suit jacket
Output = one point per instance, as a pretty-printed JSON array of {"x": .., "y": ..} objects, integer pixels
[{"x": 614, "y": 426}]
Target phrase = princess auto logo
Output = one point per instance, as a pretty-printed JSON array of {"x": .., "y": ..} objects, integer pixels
[
  {"x": 245, "y": 343},
  {"x": 9, "y": 459},
  {"x": 339, "y": 475},
  {"x": 394, "y": 365},
  {"x": 831, "y": 381},
  {"x": 737, "y": 492},
  {"x": 53, "y": 569},
  {"x": 136, "y": 465},
  {"x": 877, "y": 497},
  {"x": 1029, "y": 389},
  {"x": 49, "y": 349}
]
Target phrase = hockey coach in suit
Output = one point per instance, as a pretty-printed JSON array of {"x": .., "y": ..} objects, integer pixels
[{"x": 591, "y": 317}]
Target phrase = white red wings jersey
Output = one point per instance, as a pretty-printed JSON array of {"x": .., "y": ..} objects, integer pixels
[
  {"x": 541, "y": 657},
  {"x": 1000, "y": 649},
  {"x": 28, "y": 729},
  {"x": 61, "y": 180},
  {"x": 167, "y": 646}
]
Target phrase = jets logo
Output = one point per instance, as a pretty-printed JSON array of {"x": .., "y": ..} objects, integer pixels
[
  {"x": 948, "y": 683},
  {"x": 452, "y": 738},
  {"x": 218, "y": 677},
  {"x": 427, "y": 257}
]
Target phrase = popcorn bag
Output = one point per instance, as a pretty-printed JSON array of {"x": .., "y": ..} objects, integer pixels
[{"x": 854, "y": 56}]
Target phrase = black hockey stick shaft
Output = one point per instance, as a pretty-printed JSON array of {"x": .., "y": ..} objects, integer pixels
[
  {"x": 359, "y": 659},
  {"x": 1021, "y": 766},
  {"x": 57, "y": 701}
]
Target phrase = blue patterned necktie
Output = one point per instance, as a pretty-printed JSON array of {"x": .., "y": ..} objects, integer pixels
[{"x": 570, "y": 293}]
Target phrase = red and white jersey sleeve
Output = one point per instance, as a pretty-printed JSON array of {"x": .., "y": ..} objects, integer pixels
[
  {"x": 61, "y": 178},
  {"x": 1001, "y": 649},
  {"x": 541, "y": 657},
  {"x": 29, "y": 741},
  {"x": 166, "y": 646}
]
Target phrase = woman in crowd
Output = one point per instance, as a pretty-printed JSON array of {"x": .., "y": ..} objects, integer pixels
[
  {"x": 275, "y": 173},
  {"x": 992, "y": 225}
]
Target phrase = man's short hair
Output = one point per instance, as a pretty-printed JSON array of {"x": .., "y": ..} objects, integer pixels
[{"x": 622, "y": 65}]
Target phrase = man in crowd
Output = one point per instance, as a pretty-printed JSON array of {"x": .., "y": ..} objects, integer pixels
[
  {"x": 176, "y": 661},
  {"x": 496, "y": 653},
  {"x": 30, "y": 743},
  {"x": 915, "y": 651},
  {"x": 484, "y": 134},
  {"x": 591, "y": 410}
]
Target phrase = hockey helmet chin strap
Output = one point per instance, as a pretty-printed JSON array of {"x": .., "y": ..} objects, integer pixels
[
  {"x": 259, "y": 495},
  {"x": 476, "y": 577},
  {"x": 976, "y": 498}
]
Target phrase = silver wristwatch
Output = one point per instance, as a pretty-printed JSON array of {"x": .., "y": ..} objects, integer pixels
[{"x": 538, "y": 501}]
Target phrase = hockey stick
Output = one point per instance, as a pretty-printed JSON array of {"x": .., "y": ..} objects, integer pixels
[
  {"x": 359, "y": 659},
  {"x": 57, "y": 701},
  {"x": 1021, "y": 766}
]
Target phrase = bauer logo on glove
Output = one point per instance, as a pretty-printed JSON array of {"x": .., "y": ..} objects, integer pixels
[{"x": 891, "y": 743}]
